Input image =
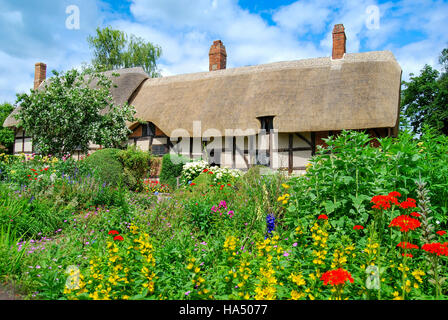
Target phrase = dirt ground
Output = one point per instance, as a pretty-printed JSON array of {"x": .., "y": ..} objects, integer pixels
[{"x": 7, "y": 293}]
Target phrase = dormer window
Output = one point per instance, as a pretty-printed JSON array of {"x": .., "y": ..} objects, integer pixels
[
  {"x": 267, "y": 123},
  {"x": 148, "y": 129}
]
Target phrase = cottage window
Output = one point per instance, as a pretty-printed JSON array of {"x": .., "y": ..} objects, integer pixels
[
  {"x": 159, "y": 150},
  {"x": 148, "y": 130},
  {"x": 267, "y": 123}
]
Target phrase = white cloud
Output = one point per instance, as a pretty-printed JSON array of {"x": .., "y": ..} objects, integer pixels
[
  {"x": 35, "y": 31},
  {"x": 303, "y": 16}
]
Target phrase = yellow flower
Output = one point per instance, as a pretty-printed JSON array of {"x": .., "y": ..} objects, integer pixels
[
  {"x": 190, "y": 266},
  {"x": 297, "y": 295},
  {"x": 297, "y": 279},
  {"x": 285, "y": 186}
]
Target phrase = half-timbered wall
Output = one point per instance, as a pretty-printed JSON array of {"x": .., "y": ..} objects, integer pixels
[
  {"x": 152, "y": 139},
  {"x": 22, "y": 142}
]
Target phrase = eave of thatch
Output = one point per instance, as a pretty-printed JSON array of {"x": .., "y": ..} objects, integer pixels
[
  {"x": 124, "y": 85},
  {"x": 359, "y": 91}
]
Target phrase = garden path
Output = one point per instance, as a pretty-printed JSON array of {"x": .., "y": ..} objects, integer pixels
[{"x": 6, "y": 294}]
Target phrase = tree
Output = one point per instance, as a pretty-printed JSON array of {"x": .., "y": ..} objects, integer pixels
[
  {"x": 6, "y": 134},
  {"x": 424, "y": 100},
  {"x": 114, "y": 49},
  {"x": 73, "y": 109}
]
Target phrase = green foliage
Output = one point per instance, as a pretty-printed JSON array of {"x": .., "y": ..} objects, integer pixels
[
  {"x": 171, "y": 169},
  {"x": 30, "y": 216},
  {"x": 209, "y": 240},
  {"x": 136, "y": 164},
  {"x": 114, "y": 49},
  {"x": 67, "y": 114},
  {"x": 106, "y": 166},
  {"x": 425, "y": 98},
  {"x": 6, "y": 134},
  {"x": 340, "y": 183}
]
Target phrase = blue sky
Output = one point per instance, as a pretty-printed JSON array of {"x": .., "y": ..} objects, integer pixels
[{"x": 254, "y": 32}]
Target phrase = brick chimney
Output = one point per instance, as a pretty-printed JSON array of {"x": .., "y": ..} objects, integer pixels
[
  {"x": 339, "y": 40},
  {"x": 40, "y": 73},
  {"x": 217, "y": 56}
]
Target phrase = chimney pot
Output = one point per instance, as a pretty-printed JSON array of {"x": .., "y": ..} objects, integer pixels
[
  {"x": 217, "y": 56},
  {"x": 40, "y": 74},
  {"x": 339, "y": 41}
]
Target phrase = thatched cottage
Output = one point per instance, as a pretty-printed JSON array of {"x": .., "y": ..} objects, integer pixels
[{"x": 274, "y": 114}]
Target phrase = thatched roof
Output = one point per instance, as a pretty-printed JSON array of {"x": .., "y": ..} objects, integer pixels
[
  {"x": 360, "y": 91},
  {"x": 125, "y": 84}
]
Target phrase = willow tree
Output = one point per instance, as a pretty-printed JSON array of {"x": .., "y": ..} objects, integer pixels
[{"x": 114, "y": 49}]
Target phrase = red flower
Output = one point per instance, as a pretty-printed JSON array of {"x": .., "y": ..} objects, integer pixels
[
  {"x": 384, "y": 202},
  {"x": 394, "y": 194},
  {"x": 33, "y": 170},
  {"x": 192, "y": 184},
  {"x": 210, "y": 172},
  {"x": 322, "y": 216},
  {"x": 358, "y": 227},
  {"x": 441, "y": 232},
  {"x": 336, "y": 277},
  {"x": 409, "y": 203},
  {"x": 46, "y": 168},
  {"x": 405, "y": 223},
  {"x": 118, "y": 238},
  {"x": 416, "y": 214},
  {"x": 408, "y": 255},
  {"x": 436, "y": 248},
  {"x": 205, "y": 170},
  {"x": 407, "y": 245},
  {"x": 113, "y": 232}
]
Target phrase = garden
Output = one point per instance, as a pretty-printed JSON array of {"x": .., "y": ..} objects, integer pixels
[{"x": 363, "y": 223}]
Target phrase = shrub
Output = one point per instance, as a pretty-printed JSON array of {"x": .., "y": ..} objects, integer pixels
[
  {"x": 136, "y": 166},
  {"x": 171, "y": 169},
  {"x": 106, "y": 166}
]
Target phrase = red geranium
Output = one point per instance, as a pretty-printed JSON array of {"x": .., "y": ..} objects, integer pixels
[
  {"x": 409, "y": 203},
  {"x": 118, "y": 238},
  {"x": 405, "y": 223},
  {"x": 436, "y": 248},
  {"x": 416, "y": 214},
  {"x": 382, "y": 202},
  {"x": 205, "y": 170},
  {"x": 358, "y": 227},
  {"x": 441, "y": 232},
  {"x": 394, "y": 194},
  {"x": 336, "y": 277},
  {"x": 113, "y": 232},
  {"x": 407, "y": 245},
  {"x": 323, "y": 217}
]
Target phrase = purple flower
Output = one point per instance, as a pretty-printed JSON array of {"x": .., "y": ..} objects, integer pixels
[{"x": 187, "y": 293}]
